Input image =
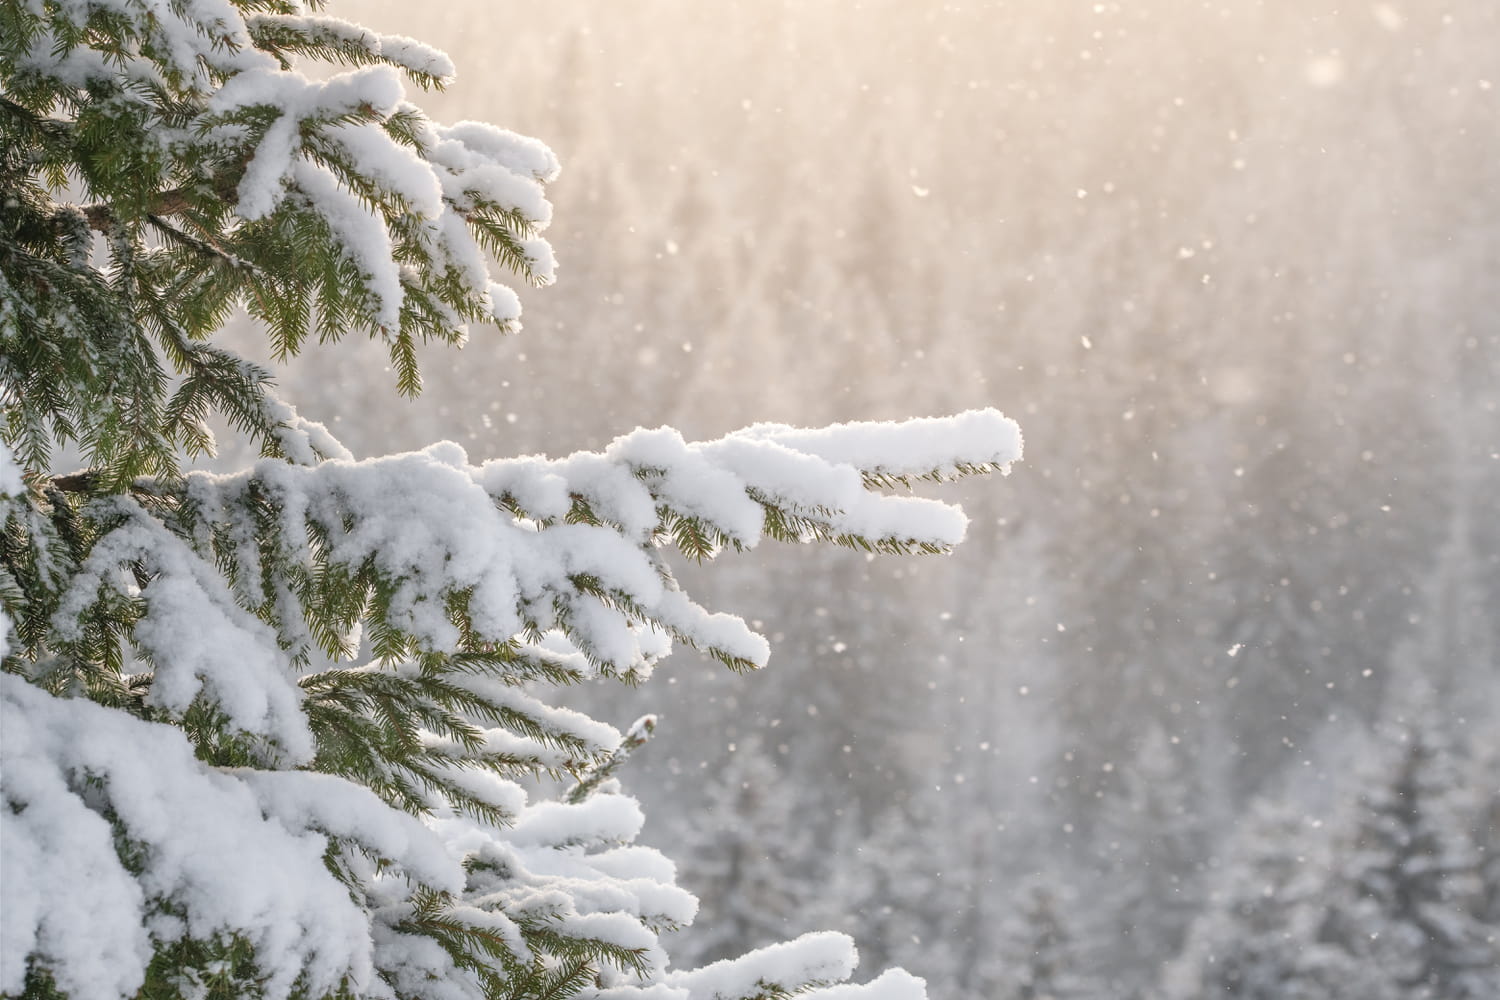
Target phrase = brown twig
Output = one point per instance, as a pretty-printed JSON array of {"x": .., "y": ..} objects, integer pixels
[
  {"x": 82, "y": 481},
  {"x": 172, "y": 202}
]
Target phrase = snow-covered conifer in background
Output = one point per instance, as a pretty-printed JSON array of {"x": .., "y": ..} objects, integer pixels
[
  {"x": 1383, "y": 900},
  {"x": 1036, "y": 956},
  {"x": 1259, "y": 935},
  {"x": 1483, "y": 769},
  {"x": 1149, "y": 849},
  {"x": 1409, "y": 897},
  {"x": 740, "y": 854},
  {"x": 264, "y": 732},
  {"x": 893, "y": 892}
]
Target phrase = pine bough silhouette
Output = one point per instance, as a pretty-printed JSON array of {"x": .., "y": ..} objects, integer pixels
[{"x": 264, "y": 733}]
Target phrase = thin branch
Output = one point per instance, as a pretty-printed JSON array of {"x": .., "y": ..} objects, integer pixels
[
  {"x": 635, "y": 738},
  {"x": 207, "y": 248},
  {"x": 82, "y": 481},
  {"x": 173, "y": 202}
]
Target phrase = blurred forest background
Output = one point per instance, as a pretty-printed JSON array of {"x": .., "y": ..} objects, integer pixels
[{"x": 1219, "y": 659}]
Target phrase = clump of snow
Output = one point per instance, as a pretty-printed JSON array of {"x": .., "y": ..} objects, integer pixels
[
  {"x": 198, "y": 638},
  {"x": 519, "y": 153},
  {"x": 70, "y": 899},
  {"x": 916, "y": 447},
  {"x": 397, "y": 169},
  {"x": 340, "y": 808},
  {"x": 408, "y": 53},
  {"x": 894, "y": 984},
  {"x": 821, "y": 957},
  {"x": 505, "y": 306},
  {"x": 11, "y": 483},
  {"x": 303, "y": 441},
  {"x": 597, "y": 821}
]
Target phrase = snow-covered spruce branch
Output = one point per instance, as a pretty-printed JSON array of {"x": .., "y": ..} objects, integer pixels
[
  {"x": 234, "y": 600},
  {"x": 466, "y": 558},
  {"x": 263, "y": 734},
  {"x": 224, "y": 177}
]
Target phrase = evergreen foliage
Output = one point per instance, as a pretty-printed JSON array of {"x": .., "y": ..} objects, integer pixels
[
  {"x": 1259, "y": 937},
  {"x": 743, "y": 859},
  {"x": 1038, "y": 948},
  {"x": 1411, "y": 895},
  {"x": 1384, "y": 899},
  {"x": 1149, "y": 848},
  {"x": 265, "y": 733}
]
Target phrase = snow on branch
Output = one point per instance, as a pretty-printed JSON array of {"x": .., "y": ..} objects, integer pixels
[
  {"x": 197, "y": 847},
  {"x": 272, "y": 727},
  {"x": 767, "y": 476},
  {"x": 118, "y": 841},
  {"x": 801, "y": 967},
  {"x": 338, "y": 40},
  {"x": 466, "y": 583},
  {"x": 240, "y": 594},
  {"x": 11, "y": 483},
  {"x": 453, "y": 555},
  {"x": 777, "y": 970},
  {"x": 923, "y": 448},
  {"x": 197, "y": 639},
  {"x": 894, "y": 984},
  {"x": 339, "y": 165}
]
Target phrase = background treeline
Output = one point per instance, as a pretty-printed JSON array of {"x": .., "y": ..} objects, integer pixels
[{"x": 1234, "y": 267}]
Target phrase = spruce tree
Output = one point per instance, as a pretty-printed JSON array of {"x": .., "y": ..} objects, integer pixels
[
  {"x": 894, "y": 893},
  {"x": 1259, "y": 937},
  {"x": 1385, "y": 901},
  {"x": 265, "y": 733},
  {"x": 741, "y": 852},
  {"x": 1037, "y": 955},
  {"x": 1149, "y": 850},
  {"x": 1410, "y": 900}
]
